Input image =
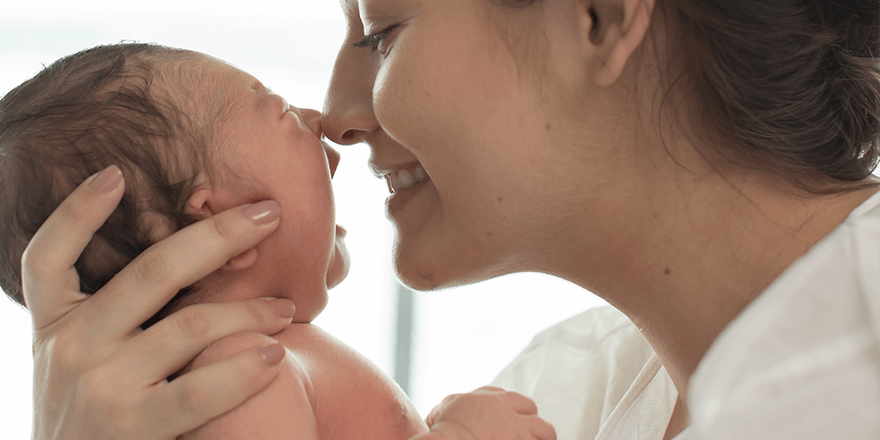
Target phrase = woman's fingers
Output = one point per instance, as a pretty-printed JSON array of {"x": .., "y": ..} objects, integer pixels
[
  {"x": 202, "y": 394},
  {"x": 144, "y": 286},
  {"x": 171, "y": 343},
  {"x": 49, "y": 281}
]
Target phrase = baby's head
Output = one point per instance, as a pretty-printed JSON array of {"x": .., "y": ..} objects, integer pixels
[{"x": 193, "y": 136}]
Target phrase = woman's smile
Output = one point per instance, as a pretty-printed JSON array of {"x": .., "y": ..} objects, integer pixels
[{"x": 403, "y": 179}]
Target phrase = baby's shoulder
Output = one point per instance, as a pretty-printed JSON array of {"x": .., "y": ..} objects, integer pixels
[
  {"x": 286, "y": 405},
  {"x": 316, "y": 350},
  {"x": 351, "y": 392}
]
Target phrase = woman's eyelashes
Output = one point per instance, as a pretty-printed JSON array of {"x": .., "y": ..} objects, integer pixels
[{"x": 374, "y": 41}]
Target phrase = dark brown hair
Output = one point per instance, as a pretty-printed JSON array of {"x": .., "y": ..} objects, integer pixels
[
  {"x": 84, "y": 112},
  {"x": 794, "y": 85}
]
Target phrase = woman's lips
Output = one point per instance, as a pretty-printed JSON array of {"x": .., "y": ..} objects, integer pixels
[
  {"x": 400, "y": 198},
  {"x": 406, "y": 178}
]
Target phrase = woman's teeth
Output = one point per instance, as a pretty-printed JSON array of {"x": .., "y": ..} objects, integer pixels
[{"x": 404, "y": 179}]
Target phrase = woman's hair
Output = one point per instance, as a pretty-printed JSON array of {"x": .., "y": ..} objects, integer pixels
[
  {"x": 109, "y": 105},
  {"x": 794, "y": 85}
]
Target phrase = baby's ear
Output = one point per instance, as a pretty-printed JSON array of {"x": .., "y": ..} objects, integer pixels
[
  {"x": 201, "y": 204},
  {"x": 198, "y": 204}
]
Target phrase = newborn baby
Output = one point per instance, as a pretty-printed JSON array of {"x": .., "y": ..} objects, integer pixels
[{"x": 194, "y": 136}]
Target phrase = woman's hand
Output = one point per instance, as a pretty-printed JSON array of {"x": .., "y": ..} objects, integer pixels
[
  {"x": 484, "y": 414},
  {"x": 96, "y": 374}
]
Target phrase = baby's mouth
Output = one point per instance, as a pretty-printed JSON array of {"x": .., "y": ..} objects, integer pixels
[{"x": 403, "y": 179}]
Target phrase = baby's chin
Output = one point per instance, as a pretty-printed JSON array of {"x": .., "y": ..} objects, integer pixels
[{"x": 339, "y": 264}]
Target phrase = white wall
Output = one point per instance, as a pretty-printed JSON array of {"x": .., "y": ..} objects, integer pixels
[{"x": 463, "y": 336}]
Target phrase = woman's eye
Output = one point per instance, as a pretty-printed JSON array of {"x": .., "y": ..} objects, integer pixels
[{"x": 373, "y": 41}]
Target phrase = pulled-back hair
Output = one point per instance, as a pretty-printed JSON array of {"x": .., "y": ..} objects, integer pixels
[
  {"x": 118, "y": 105},
  {"x": 792, "y": 85}
]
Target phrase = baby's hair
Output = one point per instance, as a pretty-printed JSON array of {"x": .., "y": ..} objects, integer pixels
[{"x": 133, "y": 105}]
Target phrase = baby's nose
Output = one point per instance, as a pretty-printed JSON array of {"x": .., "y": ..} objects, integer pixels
[{"x": 312, "y": 119}]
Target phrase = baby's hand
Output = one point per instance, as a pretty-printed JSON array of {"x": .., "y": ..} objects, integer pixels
[{"x": 488, "y": 413}]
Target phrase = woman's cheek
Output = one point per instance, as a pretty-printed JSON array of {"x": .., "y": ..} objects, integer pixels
[{"x": 392, "y": 98}]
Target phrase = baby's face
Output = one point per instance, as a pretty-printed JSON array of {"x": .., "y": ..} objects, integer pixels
[{"x": 267, "y": 149}]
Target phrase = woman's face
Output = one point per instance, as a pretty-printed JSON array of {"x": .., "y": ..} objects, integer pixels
[{"x": 466, "y": 137}]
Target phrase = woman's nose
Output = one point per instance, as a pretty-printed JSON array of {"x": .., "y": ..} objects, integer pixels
[{"x": 348, "y": 108}]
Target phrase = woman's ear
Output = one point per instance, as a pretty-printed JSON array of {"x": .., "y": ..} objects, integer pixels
[{"x": 613, "y": 29}]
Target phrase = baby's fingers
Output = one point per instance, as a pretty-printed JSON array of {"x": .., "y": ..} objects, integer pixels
[
  {"x": 435, "y": 412},
  {"x": 540, "y": 428},
  {"x": 517, "y": 402},
  {"x": 520, "y": 403},
  {"x": 49, "y": 281},
  {"x": 200, "y": 395}
]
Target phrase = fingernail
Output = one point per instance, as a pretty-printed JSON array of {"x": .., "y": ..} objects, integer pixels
[
  {"x": 272, "y": 354},
  {"x": 263, "y": 213},
  {"x": 106, "y": 180},
  {"x": 283, "y": 307}
]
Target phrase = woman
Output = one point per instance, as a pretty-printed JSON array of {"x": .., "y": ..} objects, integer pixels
[{"x": 679, "y": 159}]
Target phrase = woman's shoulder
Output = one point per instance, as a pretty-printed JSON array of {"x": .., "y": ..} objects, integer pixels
[
  {"x": 833, "y": 279},
  {"x": 579, "y": 369},
  {"x": 600, "y": 330},
  {"x": 807, "y": 346},
  {"x": 593, "y": 347}
]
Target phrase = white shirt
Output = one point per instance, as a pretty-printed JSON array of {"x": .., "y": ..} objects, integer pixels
[
  {"x": 803, "y": 360},
  {"x": 594, "y": 376}
]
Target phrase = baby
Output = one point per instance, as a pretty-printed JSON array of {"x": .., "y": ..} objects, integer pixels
[{"x": 195, "y": 136}]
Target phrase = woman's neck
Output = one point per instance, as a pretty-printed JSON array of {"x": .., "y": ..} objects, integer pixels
[{"x": 689, "y": 251}]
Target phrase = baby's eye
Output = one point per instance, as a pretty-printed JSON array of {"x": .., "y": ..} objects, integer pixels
[{"x": 373, "y": 41}]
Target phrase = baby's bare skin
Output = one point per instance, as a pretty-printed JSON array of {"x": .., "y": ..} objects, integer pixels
[{"x": 326, "y": 391}]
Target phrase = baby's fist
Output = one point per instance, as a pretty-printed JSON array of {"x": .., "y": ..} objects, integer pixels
[{"x": 488, "y": 413}]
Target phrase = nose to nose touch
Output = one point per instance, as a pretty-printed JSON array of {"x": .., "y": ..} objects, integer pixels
[
  {"x": 312, "y": 119},
  {"x": 348, "y": 125}
]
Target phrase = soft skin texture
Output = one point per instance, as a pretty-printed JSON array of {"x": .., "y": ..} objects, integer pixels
[
  {"x": 540, "y": 131},
  {"x": 318, "y": 387},
  {"x": 268, "y": 149},
  {"x": 96, "y": 373},
  {"x": 325, "y": 390}
]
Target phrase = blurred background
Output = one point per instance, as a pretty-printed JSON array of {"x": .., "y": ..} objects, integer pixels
[{"x": 433, "y": 343}]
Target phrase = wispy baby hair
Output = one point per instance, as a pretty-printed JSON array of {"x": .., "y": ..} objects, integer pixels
[{"x": 126, "y": 104}]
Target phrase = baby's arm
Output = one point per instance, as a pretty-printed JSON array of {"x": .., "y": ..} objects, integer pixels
[{"x": 283, "y": 410}]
